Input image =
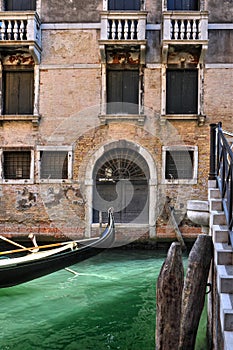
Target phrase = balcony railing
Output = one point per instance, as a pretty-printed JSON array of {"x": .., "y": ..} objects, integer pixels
[
  {"x": 123, "y": 26},
  {"x": 20, "y": 29},
  {"x": 185, "y": 26}
]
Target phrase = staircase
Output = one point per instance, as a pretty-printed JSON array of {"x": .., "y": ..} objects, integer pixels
[{"x": 221, "y": 301}]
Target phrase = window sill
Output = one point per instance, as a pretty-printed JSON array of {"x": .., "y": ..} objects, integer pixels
[
  {"x": 200, "y": 118},
  {"x": 20, "y": 117},
  {"x": 17, "y": 182},
  {"x": 179, "y": 181},
  {"x": 135, "y": 118},
  {"x": 55, "y": 181}
]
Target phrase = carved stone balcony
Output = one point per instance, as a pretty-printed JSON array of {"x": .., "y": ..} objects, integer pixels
[
  {"x": 21, "y": 30},
  {"x": 123, "y": 28},
  {"x": 184, "y": 28}
]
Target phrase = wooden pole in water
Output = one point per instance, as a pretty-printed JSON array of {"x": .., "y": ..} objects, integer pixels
[
  {"x": 168, "y": 298},
  {"x": 193, "y": 297}
]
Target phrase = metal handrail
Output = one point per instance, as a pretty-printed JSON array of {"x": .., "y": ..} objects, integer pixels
[{"x": 221, "y": 169}]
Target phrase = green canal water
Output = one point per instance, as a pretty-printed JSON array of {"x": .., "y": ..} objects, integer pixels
[{"x": 109, "y": 305}]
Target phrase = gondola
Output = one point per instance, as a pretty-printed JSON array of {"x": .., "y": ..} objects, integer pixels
[{"x": 36, "y": 262}]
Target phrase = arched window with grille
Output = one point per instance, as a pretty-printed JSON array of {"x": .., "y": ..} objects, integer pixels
[{"x": 121, "y": 180}]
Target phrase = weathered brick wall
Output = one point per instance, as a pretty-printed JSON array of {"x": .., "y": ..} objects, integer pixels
[{"x": 70, "y": 47}]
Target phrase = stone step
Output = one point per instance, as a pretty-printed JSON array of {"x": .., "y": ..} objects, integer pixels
[
  {"x": 217, "y": 218},
  {"x": 220, "y": 234},
  {"x": 226, "y": 312},
  {"x": 225, "y": 279},
  {"x": 213, "y": 193},
  {"x": 223, "y": 254},
  {"x": 215, "y": 204}
]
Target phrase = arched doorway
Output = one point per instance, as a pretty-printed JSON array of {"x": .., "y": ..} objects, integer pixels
[{"x": 120, "y": 180}]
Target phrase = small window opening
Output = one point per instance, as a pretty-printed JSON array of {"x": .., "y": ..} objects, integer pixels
[
  {"x": 179, "y": 165},
  {"x": 16, "y": 165},
  {"x": 54, "y": 165}
]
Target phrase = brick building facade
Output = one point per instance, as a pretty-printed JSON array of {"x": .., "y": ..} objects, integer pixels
[{"x": 108, "y": 103}]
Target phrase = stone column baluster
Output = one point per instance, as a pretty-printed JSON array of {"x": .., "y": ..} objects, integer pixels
[
  {"x": 108, "y": 29},
  {"x": 15, "y": 30},
  {"x": 119, "y": 32},
  {"x": 9, "y": 30},
  {"x": 114, "y": 36},
  {"x": 21, "y": 30},
  {"x": 3, "y": 28},
  {"x": 195, "y": 35},
  {"x": 126, "y": 29},
  {"x": 188, "y": 29},
  {"x": 176, "y": 30},
  {"x": 132, "y": 29},
  {"x": 182, "y": 30}
]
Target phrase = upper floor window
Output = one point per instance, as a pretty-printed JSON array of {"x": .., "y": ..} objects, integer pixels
[
  {"x": 123, "y": 91},
  {"x": 18, "y": 91},
  {"x": 125, "y": 5},
  {"x": 183, "y": 5},
  {"x": 20, "y": 5},
  {"x": 182, "y": 91}
]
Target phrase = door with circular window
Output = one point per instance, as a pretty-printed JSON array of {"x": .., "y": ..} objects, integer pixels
[{"x": 121, "y": 181}]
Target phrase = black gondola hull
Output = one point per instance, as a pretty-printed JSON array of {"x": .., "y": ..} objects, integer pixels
[{"x": 26, "y": 271}]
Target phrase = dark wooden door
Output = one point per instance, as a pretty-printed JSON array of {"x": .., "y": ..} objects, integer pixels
[
  {"x": 20, "y": 5},
  {"x": 122, "y": 91},
  {"x": 183, "y": 5},
  {"x": 126, "y": 5},
  {"x": 19, "y": 92},
  {"x": 182, "y": 91}
]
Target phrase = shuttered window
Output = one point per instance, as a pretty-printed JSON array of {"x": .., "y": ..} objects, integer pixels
[
  {"x": 18, "y": 92},
  {"x": 179, "y": 165},
  {"x": 122, "y": 91},
  {"x": 20, "y": 5},
  {"x": 183, "y": 5},
  {"x": 53, "y": 165},
  {"x": 182, "y": 91},
  {"x": 125, "y": 5},
  {"x": 16, "y": 165}
]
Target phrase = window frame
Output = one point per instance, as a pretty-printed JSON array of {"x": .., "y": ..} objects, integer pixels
[
  {"x": 194, "y": 178},
  {"x": 30, "y": 180},
  {"x": 200, "y": 84},
  {"x": 15, "y": 70},
  {"x": 68, "y": 149}
]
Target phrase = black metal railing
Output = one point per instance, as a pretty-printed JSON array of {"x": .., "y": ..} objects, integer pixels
[{"x": 221, "y": 169}]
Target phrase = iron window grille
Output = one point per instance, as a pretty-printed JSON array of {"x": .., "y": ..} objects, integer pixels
[{"x": 16, "y": 165}]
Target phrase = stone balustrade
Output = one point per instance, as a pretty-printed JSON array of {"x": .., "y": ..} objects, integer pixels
[
  {"x": 183, "y": 26},
  {"x": 15, "y": 26},
  {"x": 123, "y": 26}
]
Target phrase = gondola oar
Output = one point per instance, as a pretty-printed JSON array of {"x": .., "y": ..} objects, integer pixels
[{"x": 12, "y": 242}]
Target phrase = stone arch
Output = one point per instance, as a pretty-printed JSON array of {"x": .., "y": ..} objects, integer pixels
[{"x": 138, "y": 157}]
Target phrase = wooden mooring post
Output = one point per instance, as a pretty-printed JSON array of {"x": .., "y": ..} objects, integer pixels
[
  {"x": 168, "y": 298},
  {"x": 179, "y": 303},
  {"x": 194, "y": 291}
]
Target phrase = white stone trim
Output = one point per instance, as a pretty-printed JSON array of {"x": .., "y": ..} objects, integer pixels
[
  {"x": 219, "y": 66},
  {"x": 70, "y": 26},
  {"x": 71, "y": 66},
  {"x": 221, "y": 26},
  {"x": 187, "y": 148},
  {"x": 68, "y": 149},
  {"x": 17, "y": 181}
]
